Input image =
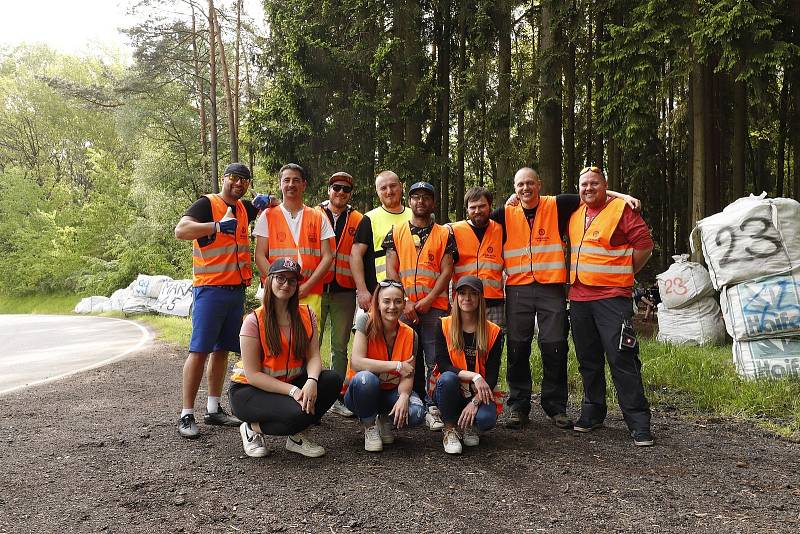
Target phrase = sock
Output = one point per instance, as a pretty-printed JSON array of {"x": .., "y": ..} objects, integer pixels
[
  {"x": 187, "y": 411},
  {"x": 213, "y": 405}
]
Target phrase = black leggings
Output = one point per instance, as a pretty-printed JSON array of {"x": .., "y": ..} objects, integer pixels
[{"x": 278, "y": 414}]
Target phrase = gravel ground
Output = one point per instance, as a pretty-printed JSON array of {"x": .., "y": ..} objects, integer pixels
[{"x": 99, "y": 452}]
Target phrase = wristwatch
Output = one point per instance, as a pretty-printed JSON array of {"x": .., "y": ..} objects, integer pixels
[{"x": 475, "y": 401}]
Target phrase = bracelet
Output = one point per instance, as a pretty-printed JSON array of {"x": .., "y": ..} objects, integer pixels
[
  {"x": 314, "y": 379},
  {"x": 292, "y": 391},
  {"x": 476, "y": 378},
  {"x": 215, "y": 226}
]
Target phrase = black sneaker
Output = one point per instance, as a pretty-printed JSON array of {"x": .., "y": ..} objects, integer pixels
[
  {"x": 517, "y": 420},
  {"x": 584, "y": 425},
  {"x": 642, "y": 438},
  {"x": 188, "y": 427},
  {"x": 220, "y": 417}
]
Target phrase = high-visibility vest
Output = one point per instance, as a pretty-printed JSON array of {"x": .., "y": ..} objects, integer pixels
[
  {"x": 285, "y": 366},
  {"x": 402, "y": 350},
  {"x": 226, "y": 260},
  {"x": 534, "y": 253},
  {"x": 382, "y": 222},
  {"x": 483, "y": 259},
  {"x": 419, "y": 269},
  {"x": 593, "y": 260},
  {"x": 282, "y": 244},
  {"x": 459, "y": 360},
  {"x": 340, "y": 268}
]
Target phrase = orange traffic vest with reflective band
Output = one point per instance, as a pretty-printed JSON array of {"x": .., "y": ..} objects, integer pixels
[
  {"x": 534, "y": 253},
  {"x": 340, "y": 268},
  {"x": 419, "y": 268},
  {"x": 483, "y": 259},
  {"x": 282, "y": 245},
  {"x": 226, "y": 260},
  {"x": 402, "y": 350},
  {"x": 285, "y": 366},
  {"x": 593, "y": 260},
  {"x": 459, "y": 360}
]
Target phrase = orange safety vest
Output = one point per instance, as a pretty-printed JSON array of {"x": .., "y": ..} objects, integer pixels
[
  {"x": 226, "y": 260},
  {"x": 419, "y": 269},
  {"x": 285, "y": 366},
  {"x": 402, "y": 350},
  {"x": 340, "y": 268},
  {"x": 534, "y": 253},
  {"x": 459, "y": 360},
  {"x": 594, "y": 261},
  {"x": 282, "y": 245},
  {"x": 483, "y": 259}
]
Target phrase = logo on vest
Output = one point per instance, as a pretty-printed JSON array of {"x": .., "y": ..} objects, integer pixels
[
  {"x": 351, "y": 231},
  {"x": 312, "y": 238},
  {"x": 490, "y": 250},
  {"x": 595, "y": 233},
  {"x": 430, "y": 257},
  {"x": 541, "y": 231}
]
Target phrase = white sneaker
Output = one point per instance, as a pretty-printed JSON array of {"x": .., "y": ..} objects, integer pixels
[
  {"x": 384, "y": 424},
  {"x": 433, "y": 419},
  {"x": 300, "y": 444},
  {"x": 471, "y": 436},
  {"x": 339, "y": 408},
  {"x": 253, "y": 442},
  {"x": 452, "y": 445},
  {"x": 372, "y": 439}
]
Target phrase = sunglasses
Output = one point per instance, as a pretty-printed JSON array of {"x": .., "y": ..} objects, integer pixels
[
  {"x": 233, "y": 178},
  {"x": 390, "y": 283},
  {"x": 291, "y": 280},
  {"x": 340, "y": 187},
  {"x": 592, "y": 168}
]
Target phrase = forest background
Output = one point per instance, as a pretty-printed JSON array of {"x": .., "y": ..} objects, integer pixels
[{"x": 687, "y": 104}]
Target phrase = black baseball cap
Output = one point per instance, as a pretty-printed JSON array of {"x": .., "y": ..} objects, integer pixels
[
  {"x": 285, "y": 265},
  {"x": 238, "y": 169},
  {"x": 470, "y": 281},
  {"x": 422, "y": 185}
]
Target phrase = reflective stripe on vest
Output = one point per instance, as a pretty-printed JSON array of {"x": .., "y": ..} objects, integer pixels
[
  {"x": 226, "y": 260},
  {"x": 402, "y": 350},
  {"x": 382, "y": 222},
  {"x": 282, "y": 244},
  {"x": 285, "y": 366},
  {"x": 419, "y": 269},
  {"x": 593, "y": 260},
  {"x": 534, "y": 253},
  {"x": 340, "y": 268},
  {"x": 483, "y": 259}
]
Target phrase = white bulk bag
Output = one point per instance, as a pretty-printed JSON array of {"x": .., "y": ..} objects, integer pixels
[
  {"x": 148, "y": 286},
  {"x": 134, "y": 304},
  {"x": 92, "y": 305},
  {"x": 119, "y": 297},
  {"x": 768, "y": 358},
  {"x": 769, "y": 307},
  {"x": 751, "y": 238},
  {"x": 683, "y": 283},
  {"x": 175, "y": 298},
  {"x": 699, "y": 323}
]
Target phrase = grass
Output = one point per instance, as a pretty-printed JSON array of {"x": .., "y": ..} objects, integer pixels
[{"x": 688, "y": 380}]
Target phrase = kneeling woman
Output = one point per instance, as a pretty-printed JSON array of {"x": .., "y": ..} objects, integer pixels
[
  {"x": 468, "y": 354},
  {"x": 279, "y": 387},
  {"x": 381, "y": 372}
]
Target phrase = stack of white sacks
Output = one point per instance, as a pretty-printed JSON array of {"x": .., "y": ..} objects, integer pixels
[
  {"x": 752, "y": 249},
  {"x": 688, "y": 313},
  {"x": 160, "y": 294}
]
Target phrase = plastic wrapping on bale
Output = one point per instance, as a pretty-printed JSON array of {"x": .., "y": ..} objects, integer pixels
[
  {"x": 751, "y": 238},
  {"x": 768, "y": 358},
  {"x": 699, "y": 323},
  {"x": 684, "y": 283},
  {"x": 765, "y": 308}
]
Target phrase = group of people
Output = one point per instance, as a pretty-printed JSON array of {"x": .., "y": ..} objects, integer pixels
[{"x": 430, "y": 306}]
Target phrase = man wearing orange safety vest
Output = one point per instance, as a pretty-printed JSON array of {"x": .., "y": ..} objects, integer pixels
[
  {"x": 536, "y": 274},
  {"x": 609, "y": 243},
  {"x": 294, "y": 230},
  {"x": 339, "y": 293},
  {"x": 479, "y": 241},
  {"x": 421, "y": 254},
  {"x": 221, "y": 267}
]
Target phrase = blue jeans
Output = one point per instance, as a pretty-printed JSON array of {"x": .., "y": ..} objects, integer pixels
[
  {"x": 451, "y": 403},
  {"x": 366, "y": 399}
]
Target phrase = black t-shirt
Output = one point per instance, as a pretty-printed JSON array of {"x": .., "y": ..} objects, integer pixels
[
  {"x": 201, "y": 211},
  {"x": 364, "y": 236},
  {"x": 479, "y": 232},
  {"x": 566, "y": 204},
  {"x": 492, "y": 362},
  {"x": 338, "y": 227}
]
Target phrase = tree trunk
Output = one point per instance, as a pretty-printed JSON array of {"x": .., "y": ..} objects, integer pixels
[
  {"x": 739, "y": 138},
  {"x": 711, "y": 176},
  {"x": 251, "y": 149},
  {"x": 796, "y": 133},
  {"x": 781, "y": 156},
  {"x": 236, "y": 88},
  {"x": 569, "y": 79},
  {"x": 201, "y": 99},
  {"x": 233, "y": 128},
  {"x": 502, "y": 112},
  {"x": 444, "y": 115},
  {"x": 699, "y": 148},
  {"x": 212, "y": 92},
  {"x": 398, "y": 128},
  {"x": 588, "y": 151},
  {"x": 412, "y": 46},
  {"x": 550, "y": 104},
  {"x": 669, "y": 208},
  {"x": 462, "y": 76},
  {"x": 598, "y": 87}
]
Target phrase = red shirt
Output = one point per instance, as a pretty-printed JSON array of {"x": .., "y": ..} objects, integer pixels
[{"x": 632, "y": 230}]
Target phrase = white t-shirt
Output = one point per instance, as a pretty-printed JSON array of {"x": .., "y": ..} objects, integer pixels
[{"x": 294, "y": 223}]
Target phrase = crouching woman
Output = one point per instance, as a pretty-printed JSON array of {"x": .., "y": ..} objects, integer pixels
[
  {"x": 278, "y": 387},
  {"x": 380, "y": 376},
  {"x": 467, "y": 367}
]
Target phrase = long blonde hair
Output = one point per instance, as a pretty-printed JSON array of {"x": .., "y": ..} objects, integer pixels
[{"x": 456, "y": 333}]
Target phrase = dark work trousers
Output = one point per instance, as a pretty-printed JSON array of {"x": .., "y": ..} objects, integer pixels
[
  {"x": 547, "y": 305},
  {"x": 426, "y": 329},
  {"x": 596, "y": 327},
  {"x": 281, "y": 415}
]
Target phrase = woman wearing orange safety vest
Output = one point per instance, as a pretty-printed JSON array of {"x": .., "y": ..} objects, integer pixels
[
  {"x": 381, "y": 373},
  {"x": 279, "y": 387},
  {"x": 467, "y": 368}
]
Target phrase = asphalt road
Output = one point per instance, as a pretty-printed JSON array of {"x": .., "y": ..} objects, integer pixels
[{"x": 39, "y": 348}]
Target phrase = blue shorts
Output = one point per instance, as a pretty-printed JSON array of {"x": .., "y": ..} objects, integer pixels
[{"x": 216, "y": 318}]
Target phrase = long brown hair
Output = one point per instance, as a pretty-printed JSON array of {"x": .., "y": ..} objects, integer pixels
[
  {"x": 300, "y": 339},
  {"x": 375, "y": 321},
  {"x": 456, "y": 333}
]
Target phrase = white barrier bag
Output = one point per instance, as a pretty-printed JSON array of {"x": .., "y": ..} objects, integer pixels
[
  {"x": 751, "y": 238},
  {"x": 148, "y": 286},
  {"x": 769, "y": 307},
  {"x": 134, "y": 304},
  {"x": 175, "y": 298},
  {"x": 699, "y": 323},
  {"x": 768, "y": 358},
  {"x": 93, "y": 305},
  {"x": 683, "y": 283}
]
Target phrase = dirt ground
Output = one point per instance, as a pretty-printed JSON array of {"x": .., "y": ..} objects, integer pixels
[{"x": 99, "y": 452}]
